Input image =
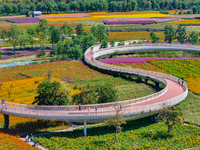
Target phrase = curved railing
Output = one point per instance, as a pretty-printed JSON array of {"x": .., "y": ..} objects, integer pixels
[{"x": 106, "y": 110}]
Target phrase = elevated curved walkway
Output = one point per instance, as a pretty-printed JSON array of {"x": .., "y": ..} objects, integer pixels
[{"x": 173, "y": 93}]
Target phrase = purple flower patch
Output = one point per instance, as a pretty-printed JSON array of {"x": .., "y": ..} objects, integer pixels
[{"x": 23, "y": 20}]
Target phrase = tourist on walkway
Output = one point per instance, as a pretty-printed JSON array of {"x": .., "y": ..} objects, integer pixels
[
  {"x": 27, "y": 138},
  {"x": 31, "y": 137},
  {"x": 79, "y": 107},
  {"x": 96, "y": 110}
]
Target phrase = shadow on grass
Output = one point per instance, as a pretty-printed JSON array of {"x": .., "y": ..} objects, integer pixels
[
  {"x": 34, "y": 127},
  {"x": 103, "y": 129}
]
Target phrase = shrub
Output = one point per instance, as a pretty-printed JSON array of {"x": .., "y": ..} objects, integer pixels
[
  {"x": 40, "y": 54},
  {"x": 104, "y": 44},
  {"x": 112, "y": 43},
  {"x": 164, "y": 12}
]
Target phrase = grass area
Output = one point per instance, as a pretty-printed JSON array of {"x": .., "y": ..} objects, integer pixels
[
  {"x": 191, "y": 109},
  {"x": 140, "y": 27},
  {"x": 137, "y": 134},
  {"x": 126, "y": 88}
]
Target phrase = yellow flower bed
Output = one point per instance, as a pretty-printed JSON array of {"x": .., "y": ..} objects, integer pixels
[
  {"x": 23, "y": 91},
  {"x": 186, "y": 21}
]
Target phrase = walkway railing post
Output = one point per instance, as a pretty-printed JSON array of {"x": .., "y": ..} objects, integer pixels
[
  {"x": 6, "y": 121},
  {"x": 85, "y": 128}
]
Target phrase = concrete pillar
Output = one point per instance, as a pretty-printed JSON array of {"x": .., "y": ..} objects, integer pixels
[
  {"x": 85, "y": 128},
  {"x": 6, "y": 121}
]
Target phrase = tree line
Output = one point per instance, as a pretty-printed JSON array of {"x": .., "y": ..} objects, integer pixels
[
  {"x": 180, "y": 34},
  {"x": 62, "y": 39},
  {"x": 58, "y": 6}
]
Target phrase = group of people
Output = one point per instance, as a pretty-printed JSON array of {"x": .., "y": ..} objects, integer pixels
[
  {"x": 79, "y": 107},
  {"x": 30, "y": 139}
]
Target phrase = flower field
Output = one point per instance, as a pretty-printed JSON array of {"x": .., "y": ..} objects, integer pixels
[
  {"x": 138, "y": 134},
  {"x": 189, "y": 70},
  {"x": 137, "y": 35},
  {"x": 75, "y": 70},
  {"x": 23, "y": 20},
  {"x": 187, "y": 21},
  {"x": 145, "y": 66}
]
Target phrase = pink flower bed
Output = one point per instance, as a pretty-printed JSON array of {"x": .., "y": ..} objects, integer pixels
[
  {"x": 7, "y": 53},
  {"x": 139, "y": 59},
  {"x": 65, "y": 16}
]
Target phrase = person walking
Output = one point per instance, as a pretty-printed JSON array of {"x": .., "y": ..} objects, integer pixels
[
  {"x": 96, "y": 110},
  {"x": 79, "y": 107},
  {"x": 27, "y": 138},
  {"x": 31, "y": 137}
]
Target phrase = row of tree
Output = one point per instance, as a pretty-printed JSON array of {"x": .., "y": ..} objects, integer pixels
[
  {"x": 180, "y": 34},
  {"x": 62, "y": 40},
  {"x": 52, "y": 6}
]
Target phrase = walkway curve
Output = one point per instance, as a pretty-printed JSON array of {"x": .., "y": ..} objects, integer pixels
[{"x": 172, "y": 94}]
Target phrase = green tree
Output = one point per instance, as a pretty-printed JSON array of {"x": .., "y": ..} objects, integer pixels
[
  {"x": 193, "y": 38},
  {"x": 106, "y": 93},
  {"x": 55, "y": 35},
  {"x": 112, "y": 43},
  {"x": 116, "y": 121},
  {"x": 23, "y": 37},
  {"x": 43, "y": 29},
  {"x": 100, "y": 32},
  {"x": 181, "y": 34},
  {"x": 154, "y": 37},
  {"x": 79, "y": 29},
  {"x": 65, "y": 31},
  {"x": 52, "y": 93},
  {"x": 170, "y": 116},
  {"x": 4, "y": 34},
  {"x": 104, "y": 44},
  {"x": 88, "y": 95},
  {"x": 32, "y": 34},
  {"x": 88, "y": 41},
  {"x": 169, "y": 33},
  {"x": 13, "y": 35}
]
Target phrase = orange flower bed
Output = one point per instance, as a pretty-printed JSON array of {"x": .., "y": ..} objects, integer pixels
[
  {"x": 10, "y": 142},
  {"x": 145, "y": 66},
  {"x": 193, "y": 84},
  {"x": 137, "y": 35}
]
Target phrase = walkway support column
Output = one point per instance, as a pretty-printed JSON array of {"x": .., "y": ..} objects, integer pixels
[
  {"x": 6, "y": 121},
  {"x": 85, "y": 128},
  {"x": 157, "y": 84},
  {"x": 146, "y": 80}
]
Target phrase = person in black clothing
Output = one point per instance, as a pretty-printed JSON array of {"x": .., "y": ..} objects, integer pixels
[{"x": 79, "y": 107}]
